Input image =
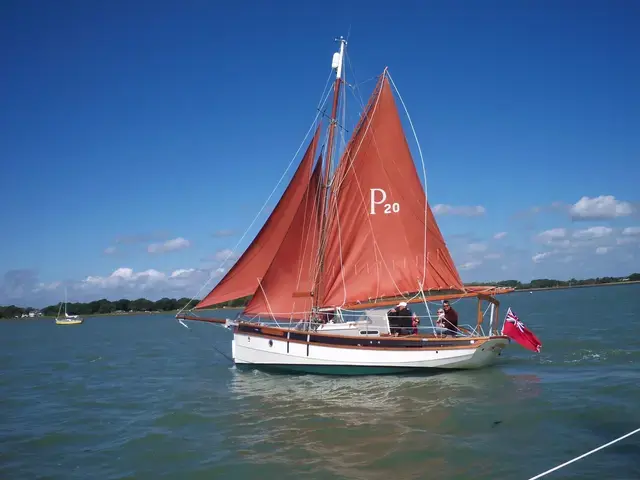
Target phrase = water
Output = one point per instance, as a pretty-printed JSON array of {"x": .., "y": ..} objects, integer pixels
[{"x": 143, "y": 397}]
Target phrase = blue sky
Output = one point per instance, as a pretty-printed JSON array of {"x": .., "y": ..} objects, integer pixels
[{"x": 127, "y": 124}]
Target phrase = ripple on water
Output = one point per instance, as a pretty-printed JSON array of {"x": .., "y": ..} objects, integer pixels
[{"x": 142, "y": 398}]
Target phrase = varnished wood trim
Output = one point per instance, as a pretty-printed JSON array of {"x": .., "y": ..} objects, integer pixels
[
  {"x": 280, "y": 331},
  {"x": 488, "y": 298},
  {"x": 404, "y": 343},
  {"x": 302, "y": 294},
  {"x": 304, "y": 338},
  {"x": 431, "y": 298},
  {"x": 201, "y": 319}
]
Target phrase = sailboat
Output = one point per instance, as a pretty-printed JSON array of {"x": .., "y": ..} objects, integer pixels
[
  {"x": 344, "y": 243},
  {"x": 67, "y": 319}
]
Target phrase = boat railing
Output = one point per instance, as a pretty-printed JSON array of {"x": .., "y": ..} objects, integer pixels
[{"x": 373, "y": 319}]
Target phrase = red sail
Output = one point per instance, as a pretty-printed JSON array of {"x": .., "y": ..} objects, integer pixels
[
  {"x": 294, "y": 267},
  {"x": 376, "y": 231},
  {"x": 242, "y": 279}
]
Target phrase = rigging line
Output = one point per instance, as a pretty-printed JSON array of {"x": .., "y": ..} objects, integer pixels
[
  {"x": 351, "y": 156},
  {"x": 376, "y": 248},
  {"x": 426, "y": 304},
  {"x": 214, "y": 347},
  {"x": 637, "y": 430},
  {"x": 342, "y": 276},
  {"x": 343, "y": 139},
  {"x": 309, "y": 233},
  {"x": 341, "y": 127},
  {"x": 355, "y": 86},
  {"x": 264, "y": 205},
  {"x": 267, "y": 302},
  {"x": 424, "y": 174},
  {"x": 223, "y": 354}
]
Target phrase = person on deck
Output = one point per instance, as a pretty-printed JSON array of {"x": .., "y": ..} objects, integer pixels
[
  {"x": 450, "y": 321},
  {"x": 401, "y": 319},
  {"x": 415, "y": 322}
]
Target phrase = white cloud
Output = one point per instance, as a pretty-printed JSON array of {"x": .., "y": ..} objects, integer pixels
[
  {"x": 500, "y": 235},
  {"x": 476, "y": 247},
  {"x": 123, "y": 276},
  {"x": 110, "y": 250},
  {"x": 470, "y": 265},
  {"x": 465, "y": 211},
  {"x": 152, "y": 284},
  {"x": 223, "y": 255},
  {"x": 537, "y": 258},
  {"x": 47, "y": 286},
  {"x": 492, "y": 256},
  {"x": 593, "y": 232},
  {"x": 553, "y": 235},
  {"x": 626, "y": 240},
  {"x": 566, "y": 245},
  {"x": 602, "y": 207},
  {"x": 169, "y": 246},
  {"x": 22, "y": 287}
]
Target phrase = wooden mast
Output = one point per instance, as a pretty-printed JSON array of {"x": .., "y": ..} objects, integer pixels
[{"x": 337, "y": 64}]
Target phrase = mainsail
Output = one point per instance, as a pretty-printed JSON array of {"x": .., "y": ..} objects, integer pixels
[
  {"x": 380, "y": 236},
  {"x": 377, "y": 245},
  {"x": 242, "y": 279}
]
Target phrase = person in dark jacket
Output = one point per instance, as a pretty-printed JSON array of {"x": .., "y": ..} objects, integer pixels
[
  {"x": 450, "y": 321},
  {"x": 401, "y": 319}
]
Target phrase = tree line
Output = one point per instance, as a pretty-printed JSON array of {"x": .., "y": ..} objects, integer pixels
[
  {"x": 124, "y": 305},
  {"x": 551, "y": 283},
  {"x": 104, "y": 306}
]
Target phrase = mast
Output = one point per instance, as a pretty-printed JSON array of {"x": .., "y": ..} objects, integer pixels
[{"x": 337, "y": 64}]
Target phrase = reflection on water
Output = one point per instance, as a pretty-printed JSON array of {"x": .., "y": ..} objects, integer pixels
[
  {"x": 142, "y": 397},
  {"x": 350, "y": 425},
  {"x": 387, "y": 393}
]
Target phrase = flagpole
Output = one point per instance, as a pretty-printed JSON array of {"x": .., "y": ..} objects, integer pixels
[{"x": 504, "y": 320}]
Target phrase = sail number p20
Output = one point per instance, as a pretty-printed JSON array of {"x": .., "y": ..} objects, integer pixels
[{"x": 387, "y": 207}]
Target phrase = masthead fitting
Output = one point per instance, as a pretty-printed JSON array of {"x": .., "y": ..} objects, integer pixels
[{"x": 337, "y": 60}]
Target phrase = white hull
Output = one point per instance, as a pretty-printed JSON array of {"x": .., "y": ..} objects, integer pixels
[
  {"x": 276, "y": 353},
  {"x": 69, "y": 321}
]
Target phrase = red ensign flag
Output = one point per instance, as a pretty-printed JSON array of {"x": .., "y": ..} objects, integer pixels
[{"x": 515, "y": 330}]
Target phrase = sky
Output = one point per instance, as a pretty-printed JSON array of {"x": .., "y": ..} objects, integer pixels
[{"x": 140, "y": 139}]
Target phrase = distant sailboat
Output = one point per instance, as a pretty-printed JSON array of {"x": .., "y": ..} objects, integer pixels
[
  {"x": 67, "y": 319},
  {"x": 340, "y": 244}
]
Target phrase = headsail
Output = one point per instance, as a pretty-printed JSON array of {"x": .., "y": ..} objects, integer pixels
[
  {"x": 242, "y": 279},
  {"x": 294, "y": 265},
  {"x": 376, "y": 233}
]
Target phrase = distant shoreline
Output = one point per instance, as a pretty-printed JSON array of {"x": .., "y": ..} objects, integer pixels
[
  {"x": 563, "y": 287},
  {"x": 220, "y": 309},
  {"x": 128, "y": 314}
]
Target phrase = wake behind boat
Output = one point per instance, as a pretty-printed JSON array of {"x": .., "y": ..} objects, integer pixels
[{"x": 341, "y": 244}]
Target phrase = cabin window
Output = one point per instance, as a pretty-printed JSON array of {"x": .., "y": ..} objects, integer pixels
[{"x": 370, "y": 332}]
